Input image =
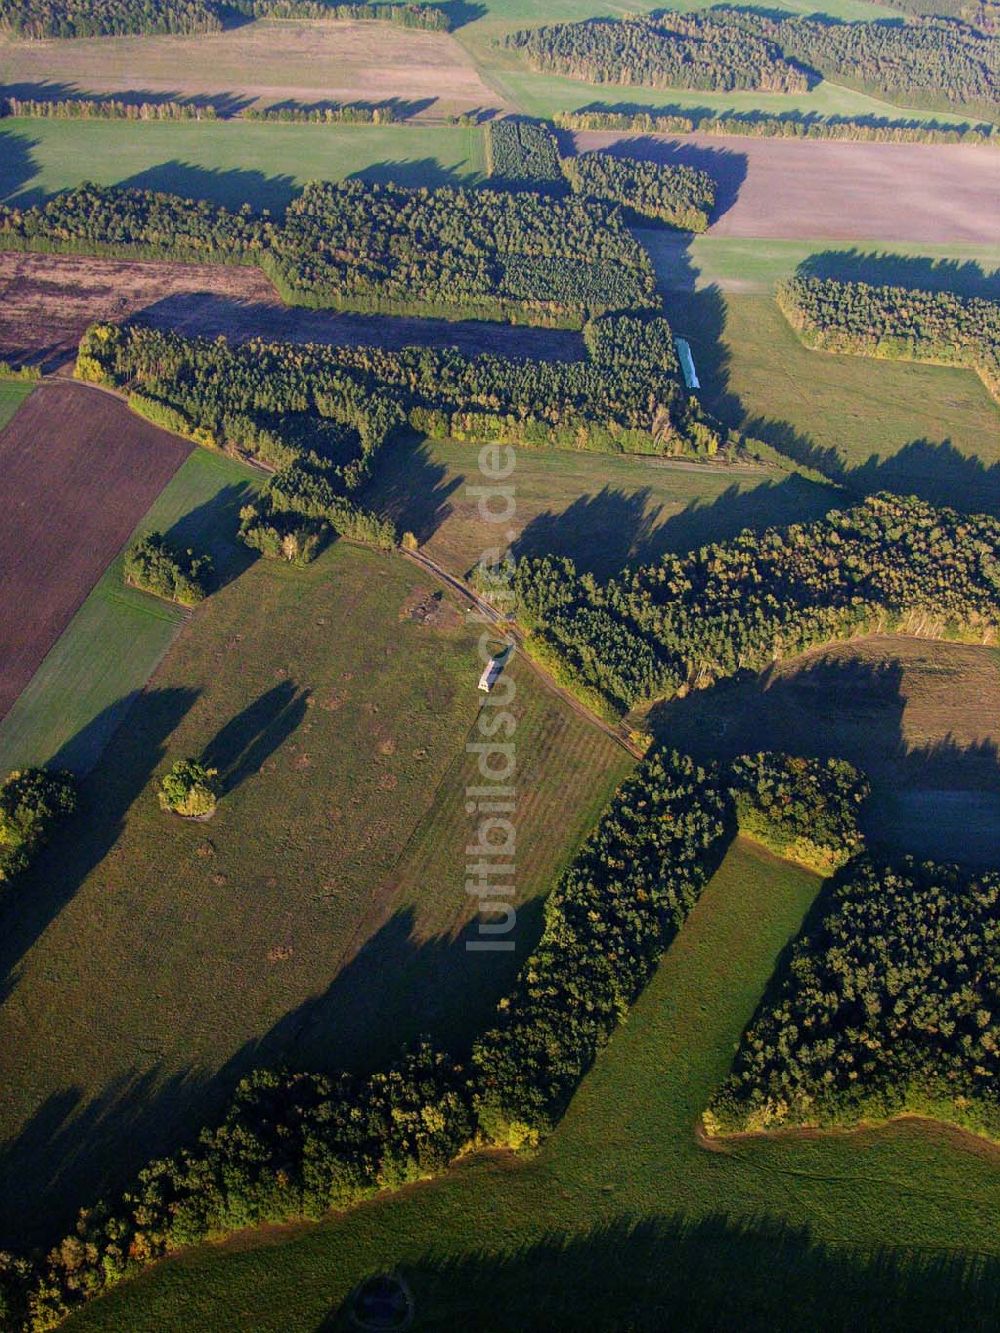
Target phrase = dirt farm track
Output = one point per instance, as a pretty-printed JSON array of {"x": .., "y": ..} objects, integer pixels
[
  {"x": 935, "y": 194},
  {"x": 79, "y": 472}
]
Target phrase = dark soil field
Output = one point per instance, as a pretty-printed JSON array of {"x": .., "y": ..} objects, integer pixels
[
  {"x": 931, "y": 193},
  {"x": 46, "y": 302},
  {"x": 79, "y": 472}
]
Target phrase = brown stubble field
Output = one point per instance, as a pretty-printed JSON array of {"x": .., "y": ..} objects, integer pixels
[
  {"x": 79, "y": 472},
  {"x": 807, "y": 189},
  {"x": 47, "y": 301},
  {"x": 272, "y": 60}
]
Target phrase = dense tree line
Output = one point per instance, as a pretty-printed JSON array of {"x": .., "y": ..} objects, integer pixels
[
  {"x": 370, "y": 247},
  {"x": 896, "y": 323},
  {"x": 107, "y": 18},
  {"x": 888, "y": 563},
  {"x": 116, "y": 18},
  {"x": 889, "y": 1004},
  {"x": 924, "y": 61},
  {"x": 679, "y": 196},
  {"x": 155, "y": 565},
  {"x": 523, "y": 152},
  {"x": 607, "y": 923},
  {"x": 267, "y": 401},
  {"x": 319, "y": 432},
  {"x": 700, "y": 50},
  {"x": 33, "y": 801},
  {"x": 343, "y": 113},
  {"x": 804, "y": 810},
  {"x": 788, "y": 125}
]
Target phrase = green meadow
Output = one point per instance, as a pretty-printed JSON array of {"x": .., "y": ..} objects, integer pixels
[{"x": 622, "y": 1214}]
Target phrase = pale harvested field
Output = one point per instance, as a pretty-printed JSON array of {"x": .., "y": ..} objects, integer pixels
[
  {"x": 46, "y": 302},
  {"x": 267, "y": 61},
  {"x": 921, "y": 717},
  {"x": 935, "y": 194}
]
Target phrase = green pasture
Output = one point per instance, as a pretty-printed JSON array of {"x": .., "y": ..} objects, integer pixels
[
  {"x": 111, "y": 647},
  {"x": 622, "y": 1219},
  {"x": 319, "y": 916},
  {"x": 12, "y": 395},
  {"x": 228, "y": 162}
]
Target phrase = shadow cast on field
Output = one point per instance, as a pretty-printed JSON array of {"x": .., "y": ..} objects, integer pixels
[
  {"x": 248, "y": 740},
  {"x": 414, "y": 173},
  {"x": 223, "y": 104},
  {"x": 604, "y": 532},
  {"x": 232, "y": 188},
  {"x": 412, "y": 489},
  {"x": 964, "y": 278},
  {"x": 209, "y": 529},
  {"x": 835, "y": 705},
  {"x": 397, "y": 987},
  {"x": 77, "y": 847},
  {"x": 18, "y": 166},
  {"x": 757, "y": 1273}
]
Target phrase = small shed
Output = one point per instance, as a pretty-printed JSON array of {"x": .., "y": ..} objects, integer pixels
[{"x": 491, "y": 672}]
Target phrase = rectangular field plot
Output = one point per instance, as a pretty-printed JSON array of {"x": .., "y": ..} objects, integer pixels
[
  {"x": 12, "y": 395},
  {"x": 79, "y": 471},
  {"x": 84, "y": 687}
]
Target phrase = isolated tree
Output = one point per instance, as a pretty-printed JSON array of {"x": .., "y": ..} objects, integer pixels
[
  {"x": 32, "y": 801},
  {"x": 189, "y": 789}
]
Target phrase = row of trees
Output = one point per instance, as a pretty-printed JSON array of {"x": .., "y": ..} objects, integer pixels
[
  {"x": 889, "y": 563},
  {"x": 296, "y": 1145},
  {"x": 277, "y": 403},
  {"x": 804, "y": 810},
  {"x": 155, "y": 565},
  {"x": 668, "y": 50},
  {"x": 33, "y": 801},
  {"x": 361, "y": 246},
  {"x": 116, "y": 18},
  {"x": 896, "y": 323},
  {"x": 788, "y": 125},
  {"x": 890, "y": 1003},
  {"x": 104, "y": 108},
  {"x": 924, "y": 61}
]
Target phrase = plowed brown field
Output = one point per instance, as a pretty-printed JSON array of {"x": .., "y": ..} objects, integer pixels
[{"x": 79, "y": 471}]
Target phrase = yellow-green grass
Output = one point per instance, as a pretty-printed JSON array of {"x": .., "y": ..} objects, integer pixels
[
  {"x": 929, "y": 430},
  {"x": 602, "y": 510},
  {"x": 12, "y": 395},
  {"x": 83, "y": 688},
  {"x": 228, "y": 162},
  {"x": 150, "y": 962},
  {"x": 623, "y": 1220}
]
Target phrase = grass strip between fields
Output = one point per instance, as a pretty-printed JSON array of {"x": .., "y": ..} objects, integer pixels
[{"x": 113, "y": 644}]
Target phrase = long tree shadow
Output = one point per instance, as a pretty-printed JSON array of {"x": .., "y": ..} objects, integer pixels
[
  {"x": 757, "y": 1274},
  {"x": 966, "y": 278},
  {"x": 411, "y": 488},
  {"x": 249, "y": 739},
  {"x": 18, "y": 165},
  {"x": 210, "y": 529},
  {"x": 224, "y": 104},
  {"x": 415, "y": 173},
  {"x": 231, "y": 187},
  {"x": 939, "y": 798},
  {"x": 31, "y": 902},
  {"x": 74, "y": 1149}
]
